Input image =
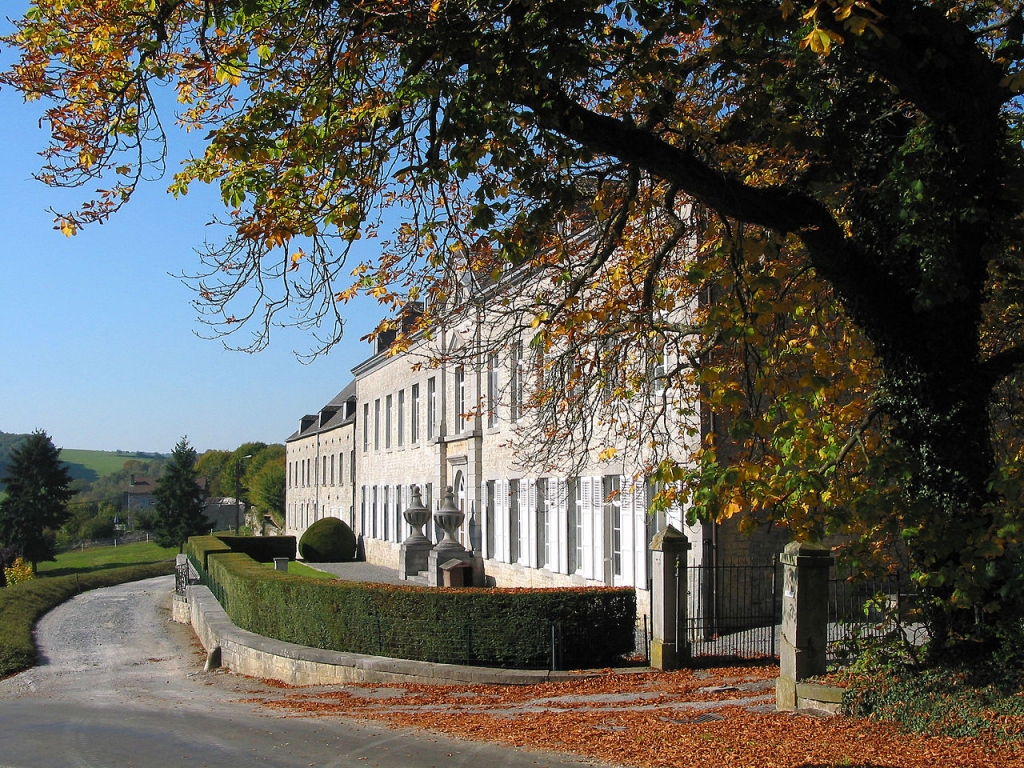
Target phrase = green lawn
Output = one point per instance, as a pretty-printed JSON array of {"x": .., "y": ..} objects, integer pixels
[
  {"x": 299, "y": 569},
  {"x": 102, "y": 558}
]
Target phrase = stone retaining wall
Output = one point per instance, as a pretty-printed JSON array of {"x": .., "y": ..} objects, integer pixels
[{"x": 256, "y": 656}]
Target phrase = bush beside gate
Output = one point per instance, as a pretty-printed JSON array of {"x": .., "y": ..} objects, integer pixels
[{"x": 513, "y": 628}]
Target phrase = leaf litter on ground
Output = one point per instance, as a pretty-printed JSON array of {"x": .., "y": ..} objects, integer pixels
[{"x": 683, "y": 719}]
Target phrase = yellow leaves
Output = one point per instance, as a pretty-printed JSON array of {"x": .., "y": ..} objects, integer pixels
[
  {"x": 296, "y": 258},
  {"x": 229, "y": 72},
  {"x": 820, "y": 41},
  {"x": 731, "y": 509},
  {"x": 67, "y": 226},
  {"x": 280, "y": 237},
  {"x": 607, "y": 454}
]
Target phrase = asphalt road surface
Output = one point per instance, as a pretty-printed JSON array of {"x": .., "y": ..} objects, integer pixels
[{"x": 120, "y": 684}]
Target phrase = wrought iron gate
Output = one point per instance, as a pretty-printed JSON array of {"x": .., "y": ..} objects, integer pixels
[{"x": 732, "y": 612}]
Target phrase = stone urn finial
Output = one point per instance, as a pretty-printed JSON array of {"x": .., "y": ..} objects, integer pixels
[
  {"x": 417, "y": 516},
  {"x": 448, "y": 518}
]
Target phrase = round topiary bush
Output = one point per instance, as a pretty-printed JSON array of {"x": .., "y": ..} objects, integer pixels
[{"x": 328, "y": 541}]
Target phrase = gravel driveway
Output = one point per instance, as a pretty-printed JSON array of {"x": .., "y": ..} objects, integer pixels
[{"x": 120, "y": 684}]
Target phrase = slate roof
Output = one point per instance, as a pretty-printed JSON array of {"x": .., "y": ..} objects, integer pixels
[{"x": 331, "y": 416}]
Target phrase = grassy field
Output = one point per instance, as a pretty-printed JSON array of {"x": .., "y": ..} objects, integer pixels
[
  {"x": 90, "y": 465},
  {"x": 102, "y": 558}
]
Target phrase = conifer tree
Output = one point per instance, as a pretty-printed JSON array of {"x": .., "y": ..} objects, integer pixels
[
  {"x": 179, "y": 499},
  {"x": 38, "y": 490}
]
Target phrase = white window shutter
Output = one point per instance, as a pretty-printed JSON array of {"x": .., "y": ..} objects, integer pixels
[
  {"x": 627, "y": 521},
  {"x": 590, "y": 542},
  {"x": 559, "y": 530},
  {"x": 528, "y": 543}
]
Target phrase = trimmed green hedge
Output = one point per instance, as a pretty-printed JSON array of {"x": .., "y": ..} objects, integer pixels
[
  {"x": 200, "y": 547},
  {"x": 21, "y": 605},
  {"x": 261, "y": 548},
  {"x": 485, "y": 627},
  {"x": 328, "y": 540}
]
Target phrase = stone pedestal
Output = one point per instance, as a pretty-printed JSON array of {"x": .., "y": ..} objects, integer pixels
[
  {"x": 669, "y": 646},
  {"x": 802, "y": 653},
  {"x": 413, "y": 558},
  {"x": 437, "y": 558}
]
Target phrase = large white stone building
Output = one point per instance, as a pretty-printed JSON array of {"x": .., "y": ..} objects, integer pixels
[
  {"x": 437, "y": 415},
  {"x": 406, "y": 420}
]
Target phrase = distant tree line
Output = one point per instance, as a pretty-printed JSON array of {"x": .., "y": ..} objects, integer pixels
[
  {"x": 254, "y": 472},
  {"x": 91, "y": 510}
]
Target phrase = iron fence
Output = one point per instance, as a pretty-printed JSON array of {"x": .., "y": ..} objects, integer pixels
[
  {"x": 731, "y": 611},
  {"x": 735, "y": 612},
  {"x": 862, "y": 608}
]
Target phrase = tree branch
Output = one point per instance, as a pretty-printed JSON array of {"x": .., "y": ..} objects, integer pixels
[
  {"x": 1001, "y": 365},
  {"x": 872, "y": 297}
]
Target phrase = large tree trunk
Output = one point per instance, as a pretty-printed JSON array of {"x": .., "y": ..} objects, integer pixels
[{"x": 937, "y": 402}]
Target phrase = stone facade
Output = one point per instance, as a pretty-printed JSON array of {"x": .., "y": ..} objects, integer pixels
[
  {"x": 320, "y": 467},
  {"x": 410, "y": 420}
]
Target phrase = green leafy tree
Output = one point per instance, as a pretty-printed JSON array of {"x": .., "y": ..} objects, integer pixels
[
  {"x": 178, "y": 499},
  {"x": 38, "y": 490},
  {"x": 267, "y": 489},
  {"x": 217, "y": 468}
]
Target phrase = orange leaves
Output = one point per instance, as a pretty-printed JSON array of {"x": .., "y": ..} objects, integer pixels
[{"x": 674, "y": 719}]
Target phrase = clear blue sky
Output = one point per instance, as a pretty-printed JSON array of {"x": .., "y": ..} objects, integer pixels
[{"x": 98, "y": 343}]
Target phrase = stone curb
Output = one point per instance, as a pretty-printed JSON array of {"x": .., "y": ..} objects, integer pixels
[{"x": 257, "y": 656}]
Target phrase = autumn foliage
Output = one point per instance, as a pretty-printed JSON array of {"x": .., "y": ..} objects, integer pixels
[
  {"x": 771, "y": 247},
  {"x": 682, "y": 719}
]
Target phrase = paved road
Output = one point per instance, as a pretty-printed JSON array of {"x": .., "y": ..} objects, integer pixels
[{"x": 120, "y": 684}]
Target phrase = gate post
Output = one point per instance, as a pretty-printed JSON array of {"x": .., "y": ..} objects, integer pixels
[
  {"x": 804, "y": 619},
  {"x": 668, "y": 589}
]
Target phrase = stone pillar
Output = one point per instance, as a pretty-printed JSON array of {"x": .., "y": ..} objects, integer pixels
[
  {"x": 669, "y": 646},
  {"x": 802, "y": 653}
]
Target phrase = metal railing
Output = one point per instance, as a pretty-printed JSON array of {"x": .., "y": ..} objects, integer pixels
[
  {"x": 863, "y": 609},
  {"x": 732, "y": 611}
]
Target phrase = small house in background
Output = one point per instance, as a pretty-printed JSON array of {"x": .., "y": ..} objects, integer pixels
[
  {"x": 138, "y": 496},
  {"x": 223, "y": 513}
]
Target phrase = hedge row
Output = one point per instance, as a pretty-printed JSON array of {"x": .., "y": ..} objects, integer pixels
[
  {"x": 263, "y": 549},
  {"x": 516, "y": 628},
  {"x": 21, "y": 605},
  {"x": 200, "y": 547}
]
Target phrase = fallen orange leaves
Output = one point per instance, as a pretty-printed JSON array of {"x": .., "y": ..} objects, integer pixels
[{"x": 680, "y": 719}]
